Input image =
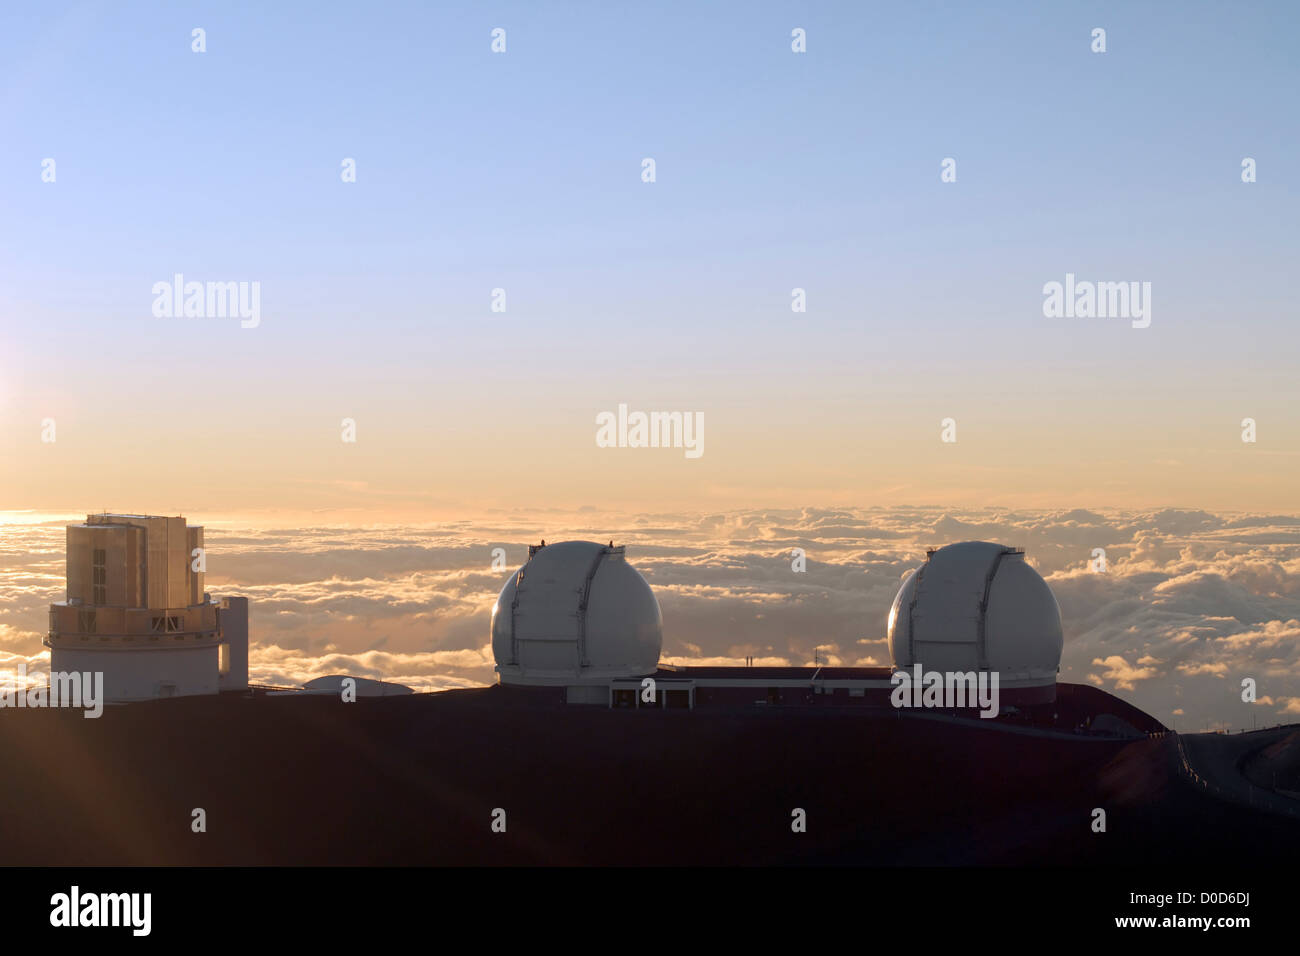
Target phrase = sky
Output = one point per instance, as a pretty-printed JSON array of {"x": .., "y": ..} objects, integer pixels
[
  {"x": 922, "y": 396},
  {"x": 523, "y": 171}
]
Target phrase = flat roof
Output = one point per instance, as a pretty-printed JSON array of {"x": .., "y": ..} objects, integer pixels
[
  {"x": 124, "y": 514},
  {"x": 741, "y": 672}
]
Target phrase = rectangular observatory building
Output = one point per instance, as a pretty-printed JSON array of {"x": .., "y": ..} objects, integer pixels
[{"x": 137, "y": 612}]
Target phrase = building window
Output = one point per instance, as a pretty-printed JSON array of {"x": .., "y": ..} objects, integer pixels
[
  {"x": 165, "y": 624},
  {"x": 99, "y": 576},
  {"x": 624, "y": 698},
  {"x": 86, "y": 622}
]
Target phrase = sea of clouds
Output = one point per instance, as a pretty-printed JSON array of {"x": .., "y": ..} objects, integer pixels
[{"x": 1190, "y": 602}]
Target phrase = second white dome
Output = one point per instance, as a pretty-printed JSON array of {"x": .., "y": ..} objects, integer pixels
[
  {"x": 978, "y": 606},
  {"x": 575, "y": 611}
]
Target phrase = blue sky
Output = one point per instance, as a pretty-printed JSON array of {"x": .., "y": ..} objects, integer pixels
[{"x": 774, "y": 170}]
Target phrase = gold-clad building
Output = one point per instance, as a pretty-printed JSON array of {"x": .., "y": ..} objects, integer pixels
[{"x": 137, "y": 611}]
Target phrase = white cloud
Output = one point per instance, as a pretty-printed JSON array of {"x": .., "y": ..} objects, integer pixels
[{"x": 1191, "y": 602}]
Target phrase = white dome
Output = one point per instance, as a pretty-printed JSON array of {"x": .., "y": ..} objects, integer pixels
[
  {"x": 576, "y": 611},
  {"x": 978, "y": 606},
  {"x": 365, "y": 686}
]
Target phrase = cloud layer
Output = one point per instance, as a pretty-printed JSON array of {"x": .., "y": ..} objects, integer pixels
[{"x": 1189, "y": 604}]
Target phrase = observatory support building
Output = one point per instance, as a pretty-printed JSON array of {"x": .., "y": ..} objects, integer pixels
[{"x": 136, "y": 611}]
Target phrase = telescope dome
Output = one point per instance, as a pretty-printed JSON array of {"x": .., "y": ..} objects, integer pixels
[
  {"x": 978, "y": 606},
  {"x": 575, "y": 611}
]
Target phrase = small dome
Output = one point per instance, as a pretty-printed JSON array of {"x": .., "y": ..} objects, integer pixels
[
  {"x": 576, "y": 610},
  {"x": 978, "y": 606},
  {"x": 365, "y": 686}
]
